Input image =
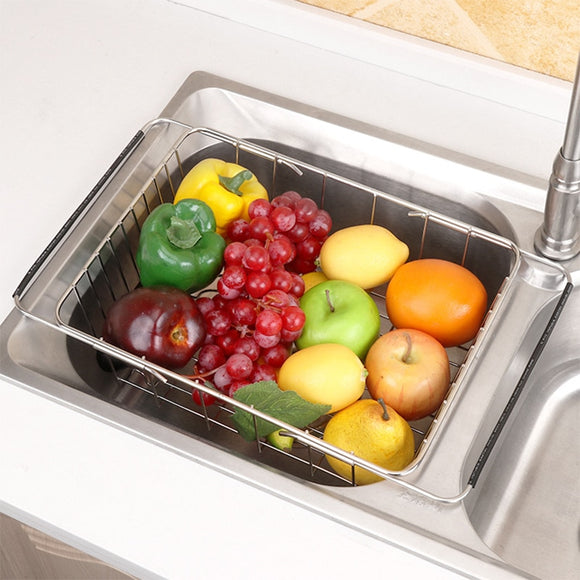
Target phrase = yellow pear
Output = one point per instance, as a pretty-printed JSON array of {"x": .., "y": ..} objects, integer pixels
[
  {"x": 366, "y": 255},
  {"x": 374, "y": 432}
]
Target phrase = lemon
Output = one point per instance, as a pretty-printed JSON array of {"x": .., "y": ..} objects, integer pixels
[
  {"x": 366, "y": 255},
  {"x": 365, "y": 430},
  {"x": 311, "y": 279},
  {"x": 330, "y": 374}
]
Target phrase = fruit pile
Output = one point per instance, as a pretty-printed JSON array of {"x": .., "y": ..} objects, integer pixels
[
  {"x": 291, "y": 312},
  {"x": 432, "y": 304},
  {"x": 255, "y": 317}
]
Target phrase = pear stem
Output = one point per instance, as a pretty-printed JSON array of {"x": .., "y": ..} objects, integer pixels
[
  {"x": 407, "y": 353},
  {"x": 330, "y": 304},
  {"x": 385, "y": 412}
]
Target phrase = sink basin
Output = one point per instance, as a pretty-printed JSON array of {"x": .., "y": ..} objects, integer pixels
[
  {"x": 526, "y": 508},
  {"x": 442, "y": 205}
]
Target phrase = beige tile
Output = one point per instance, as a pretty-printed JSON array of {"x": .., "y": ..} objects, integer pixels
[
  {"x": 347, "y": 7},
  {"x": 542, "y": 35},
  {"x": 441, "y": 21}
]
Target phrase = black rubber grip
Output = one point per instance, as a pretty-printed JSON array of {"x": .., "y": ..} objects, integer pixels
[
  {"x": 520, "y": 386},
  {"x": 78, "y": 211}
]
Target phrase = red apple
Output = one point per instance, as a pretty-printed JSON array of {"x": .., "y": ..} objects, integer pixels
[{"x": 409, "y": 370}]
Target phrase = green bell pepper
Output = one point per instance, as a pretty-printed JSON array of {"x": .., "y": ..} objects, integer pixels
[{"x": 178, "y": 246}]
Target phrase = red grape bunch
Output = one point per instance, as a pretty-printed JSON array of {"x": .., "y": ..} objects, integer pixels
[{"x": 255, "y": 316}]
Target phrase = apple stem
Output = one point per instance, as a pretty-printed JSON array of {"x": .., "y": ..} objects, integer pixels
[
  {"x": 407, "y": 353},
  {"x": 330, "y": 304},
  {"x": 385, "y": 412}
]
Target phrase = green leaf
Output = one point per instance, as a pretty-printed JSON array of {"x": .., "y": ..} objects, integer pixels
[{"x": 287, "y": 406}]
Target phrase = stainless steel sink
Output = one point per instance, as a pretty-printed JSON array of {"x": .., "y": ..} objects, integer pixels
[
  {"x": 491, "y": 493},
  {"x": 526, "y": 508}
]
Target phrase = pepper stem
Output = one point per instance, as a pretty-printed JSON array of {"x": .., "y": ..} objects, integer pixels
[
  {"x": 233, "y": 184},
  {"x": 183, "y": 233},
  {"x": 385, "y": 412}
]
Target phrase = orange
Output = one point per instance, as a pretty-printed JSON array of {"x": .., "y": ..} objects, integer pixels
[{"x": 438, "y": 297}]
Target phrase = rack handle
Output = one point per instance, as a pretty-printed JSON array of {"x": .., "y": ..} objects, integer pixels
[
  {"x": 494, "y": 436},
  {"x": 76, "y": 214}
]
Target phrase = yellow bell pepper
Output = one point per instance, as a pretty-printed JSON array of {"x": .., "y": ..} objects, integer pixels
[{"x": 228, "y": 188}]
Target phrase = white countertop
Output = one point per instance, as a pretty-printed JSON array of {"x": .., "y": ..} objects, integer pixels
[{"x": 78, "y": 79}]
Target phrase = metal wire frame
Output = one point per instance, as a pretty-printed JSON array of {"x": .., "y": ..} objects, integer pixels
[{"x": 111, "y": 271}]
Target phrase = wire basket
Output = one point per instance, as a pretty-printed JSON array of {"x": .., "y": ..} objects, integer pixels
[{"x": 111, "y": 271}]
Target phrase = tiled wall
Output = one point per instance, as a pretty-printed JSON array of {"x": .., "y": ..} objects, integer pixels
[{"x": 540, "y": 35}]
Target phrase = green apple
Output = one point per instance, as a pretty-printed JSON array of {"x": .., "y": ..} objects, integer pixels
[{"x": 339, "y": 312}]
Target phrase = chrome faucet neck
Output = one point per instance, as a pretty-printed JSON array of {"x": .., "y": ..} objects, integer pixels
[
  {"x": 571, "y": 146},
  {"x": 559, "y": 236}
]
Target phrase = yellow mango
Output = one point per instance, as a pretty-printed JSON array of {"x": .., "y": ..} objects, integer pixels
[{"x": 330, "y": 374}]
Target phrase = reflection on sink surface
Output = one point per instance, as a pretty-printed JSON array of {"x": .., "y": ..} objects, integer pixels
[{"x": 527, "y": 507}]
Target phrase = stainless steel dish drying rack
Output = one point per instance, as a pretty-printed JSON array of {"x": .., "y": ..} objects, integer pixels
[{"x": 109, "y": 271}]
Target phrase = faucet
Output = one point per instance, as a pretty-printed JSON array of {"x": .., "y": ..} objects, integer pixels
[{"x": 559, "y": 236}]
